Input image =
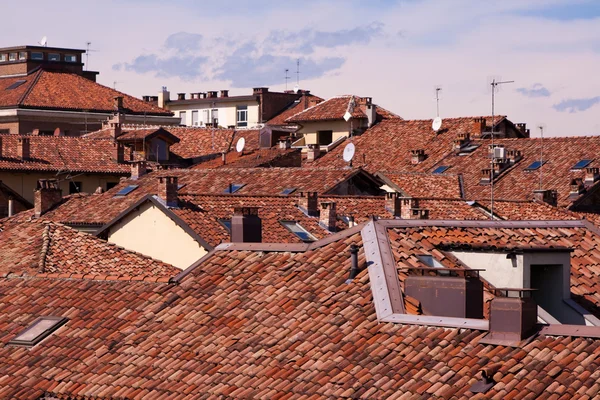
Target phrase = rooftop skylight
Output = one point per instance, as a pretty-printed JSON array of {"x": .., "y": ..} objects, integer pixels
[
  {"x": 233, "y": 187},
  {"x": 126, "y": 190},
  {"x": 226, "y": 223},
  {"x": 441, "y": 169},
  {"x": 299, "y": 231},
  {"x": 38, "y": 330},
  {"x": 581, "y": 164},
  {"x": 288, "y": 191},
  {"x": 16, "y": 84},
  {"x": 534, "y": 165}
]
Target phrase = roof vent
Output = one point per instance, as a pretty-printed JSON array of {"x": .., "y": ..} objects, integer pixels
[
  {"x": 354, "y": 269},
  {"x": 487, "y": 379}
]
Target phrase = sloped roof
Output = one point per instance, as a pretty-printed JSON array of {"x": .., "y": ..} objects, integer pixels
[
  {"x": 334, "y": 108},
  {"x": 251, "y": 159},
  {"x": 299, "y": 105},
  {"x": 56, "y": 90},
  {"x": 415, "y": 184}
]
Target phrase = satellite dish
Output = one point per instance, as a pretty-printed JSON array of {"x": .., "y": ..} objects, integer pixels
[
  {"x": 347, "y": 116},
  {"x": 437, "y": 124},
  {"x": 296, "y": 88},
  {"x": 44, "y": 41},
  {"x": 349, "y": 151},
  {"x": 239, "y": 146}
]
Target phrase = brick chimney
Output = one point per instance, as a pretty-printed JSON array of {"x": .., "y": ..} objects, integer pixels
[
  {"x": 591, "y": 175},
  {"x": 118, "y": 103},
  {"x": 246, "y": 225},
  {"x": 46, "y": 197},
  {"x": 308, "y": 203},
  {"x": 512, "y": 318},
  {"x": 486, "y": 176},
  {"x": 461, "y": 140},
  {"x": 224, "y": 93},
  {"x": 138, "y": 169},
  {"x": 23, "y": 148},
  {"x": 119, "y": 152},
  {"x": 409, "y": 209},
  {"x": 212, "y": 94},
  {"x": 479, "y": 126},
  {"x": 314, "y": 151},
  {"x": 417, "y": 156},
  {"x": 546, "y": 196},
  {"x": 577, "y": 186},
  {"x": 392, "y": 203},
  {"x": 513, "y": 156},
  {"x": 167, "y": 190},
  {"x": 328, "y": 216}
]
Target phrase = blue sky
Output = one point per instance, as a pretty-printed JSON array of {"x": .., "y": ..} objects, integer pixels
[{"x": 393, "y": 51}]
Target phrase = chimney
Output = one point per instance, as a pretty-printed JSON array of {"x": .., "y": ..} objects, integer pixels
[
  {"x": 354, "y": 268},
  {"x": 118, "y": 103},
  {"x": 479, "y": 126},
  {"x": 577, "y": 186},
  {"x": 119, "y": 152},
  {"x": 11, "y": 206},
  {"x": 486, "y": 176},
  {"x": 461, "y": 140},
  {"x": 513, "y": 156},
  {"x": 46, "y": 197},
  {"x": 371, "y": 111},
  {"x": 138, "y": 169},
  {"x": 180, "y": 96},
  {"x": 224, "y": 157},
  {"x": 314, "y": 151},
  {"x": 448, "y": 293},
  {"x": 392, "y": 203},
  {"x": 546, "y": 196},
  {"x": 308, "y": 203},
  {"x": 167, "y": 190},
  {"x": 260, "y": 90},
  {"x": 406, "y": 204},
  {"x": 328, "y": 216},
  {"x": 23, "y": 148},
  {"x": 35, "y": 132},
  {"x": 246, "y": 226},
  {"x": 285, "y": 144},
  {"x": 522, "y": 127},
  {"x": 224, "y": 93},
  {"x": 192, "y": 96},
  {"x": 512, "y": 318},
  {"x": 591, "y": 175},
  {"x": 417, "y": 156},
  {"x": 163, "y": 97},
  {"x": 202, "y": 95},
  {"x": 351, "y": 222},
  {"x": 58, "y": 132},
  {"x": 212, "y": 94}
]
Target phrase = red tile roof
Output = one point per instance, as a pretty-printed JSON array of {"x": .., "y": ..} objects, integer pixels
[
  {"x": 415, "y": 184},
  {"x": 299, "y": 105},
  {"x": 199, "y": 142},
  {"x": 66, "y": 91},
  {"x": 254, "y": 159},
  {"x": 62, "y": 153},
  {"x": 335, "y": 108}
]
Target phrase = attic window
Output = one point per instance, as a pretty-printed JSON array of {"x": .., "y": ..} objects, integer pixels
[
  {"x": 38, "y": 330},
  {"x": 581, "y": 164},
  {"x": 226, "y": 224},
  {"x": 299, "y": 231},
  {"x": 126, "y": 190},
  {"x": 441, "y": 169},
  {"x": 534, "y": 165},
  {"x": 288, "y": 191},
  {"x": 233, "y": 187},
  {"x": 16, "y": 84}
]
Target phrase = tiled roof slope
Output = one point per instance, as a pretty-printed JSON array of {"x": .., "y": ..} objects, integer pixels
[
  {"x": 130, "y": 133},
  {"x": 198, "y": 142},
  {"x": 299, "y": 105},
  {"x": 261, "y": 324},
  {"x": 251, "y": 159},
  {"x": 33, "y": 246},
  {"x": 416, "y": 184},
  {"x": 335, "y": 108},
  {"x": 66, "y": 91},
  {"x": 62, "y": 153}
]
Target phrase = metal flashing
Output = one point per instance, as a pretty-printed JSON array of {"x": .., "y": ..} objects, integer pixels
[{"x": 432, "y": 320}]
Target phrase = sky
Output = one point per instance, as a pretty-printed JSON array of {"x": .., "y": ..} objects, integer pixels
[{"x": 396, "y": 52}]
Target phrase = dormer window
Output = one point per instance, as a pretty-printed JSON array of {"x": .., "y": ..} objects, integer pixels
[
  {"x": 53, "y": 57},
  {"x": 40, "y": 329}
]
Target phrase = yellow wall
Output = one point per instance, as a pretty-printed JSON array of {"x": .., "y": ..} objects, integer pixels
[
  {"x": 309, "y": 129},
  {"x": 25, "y": 183},
  {"x": 150, "y": 232}
]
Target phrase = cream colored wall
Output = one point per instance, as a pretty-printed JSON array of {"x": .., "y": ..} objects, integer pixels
[
  {"x": 227, "y": 112},
  {"x": 26, "y": 183},
  {"x": 310, "y": 129},
  {"x": 150, "y": 232}
]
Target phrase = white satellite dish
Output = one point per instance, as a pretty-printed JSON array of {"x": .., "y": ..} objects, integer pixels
[
  {"x": 296, "y": 88},
  {"x": 239, "y": 146},
  {"x": 437, "y": 124},
  {"x": 44, "y": 41},
  {"x": 349, "y": 151},
  {"x": 347, "y": 116}
]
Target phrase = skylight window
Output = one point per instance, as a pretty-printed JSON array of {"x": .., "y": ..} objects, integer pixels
[
  {"x": 226, "y": 223},
  {"x": 38, "y": 331},
  {"x": 126, "y": 190},
  {"x": 16, "y": 84},
  {"x": 441, "y": 169},
  {"x": 288, "y": 191},
  {"x": 581, "y": 164},
  {"x": 233, "y": 187},
  {"x": 299, "y": 231},
  {"x": 534, "y": 165}
]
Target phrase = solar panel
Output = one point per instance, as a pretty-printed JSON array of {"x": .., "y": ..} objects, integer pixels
[
  {"x": 440, "y": 170},
  {"x": 16, "y": 84},
  {"x": 534, "y": 165},
  {"x": 126, "y": 190},
  {"x": 288, "y": 191},
  {"x": 234, "y": 187},
  {"x": 581, "y": 164}
]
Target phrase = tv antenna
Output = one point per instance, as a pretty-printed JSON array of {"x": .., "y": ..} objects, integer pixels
[
  {"x": 349, "y": 152},
  {"x": 541, "y": 127},
  {"x": 287, "y": 78},
  {"x": 494, "y": 84},
  {"x": 87, "y": 54},
  {"x": 44, "y": 41},
  {"x": 298, "y": 72},
  {"x": 438, "y": 89},
  {"x": 115, "y": 85}
]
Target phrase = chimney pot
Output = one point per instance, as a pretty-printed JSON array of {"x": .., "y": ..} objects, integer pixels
[
  {"x": 167, "y": 190},
  {"x": 577, "y": 186},
  {"x": 23, "y": 148},
  {"x": 246, "y": 225},
  {"x": 224, "y": 93},
  {"x": 308, "y": 203},
  {"x": 58, "y": 132},
  {"x": 417, "y": 156},
  {"x": 592, "y": 174},
  {"x": 180, "y": 96},
  {"x": 392, "y": 204},
  {"x": 328, "y": 216},
  {"x": 314, "y": 151},
  {"x": 546, "y": 196},
  {"x": 46, "y": 197},
  {"x": 479, "y": 126},
  {"x": 138, "y": 169},
  {"x": 11, "y": 206}
]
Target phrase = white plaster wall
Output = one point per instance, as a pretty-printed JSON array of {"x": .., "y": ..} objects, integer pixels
[{"x": 499, "y": 271}]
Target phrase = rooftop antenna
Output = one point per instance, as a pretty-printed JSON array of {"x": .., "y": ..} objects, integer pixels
[
  {"x": 44, "y": 41},
  {"x": 87, "y": 54},
  {"x": 494, "y": 86},
  {"x": 541, "y": 127},
  {"x": 115, "y": 85},
  {"x": 287, "y": 78},
  {"x": 298, "y": 72},
  {"x": 438, "y": 89}
]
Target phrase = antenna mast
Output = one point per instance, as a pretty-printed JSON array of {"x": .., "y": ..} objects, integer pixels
[
  {"x": 287, "y": 78},
  {"x": 298, "y": 72},
  {"x": 541, "y": 128},
  {"x": 494, "y": 85},
  {"x": 437, "y": 100}
]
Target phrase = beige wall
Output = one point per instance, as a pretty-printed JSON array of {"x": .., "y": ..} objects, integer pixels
[
  {"x": 152, "y": 233},
  {"x": 227, "y": 112},
  {"x": 25, "y": 183},
  {"x": 309, "y": 129}
]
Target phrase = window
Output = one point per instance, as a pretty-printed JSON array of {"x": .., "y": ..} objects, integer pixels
[
  {"x": 205, "y": 116},
  {"x": 53, "y": 57},
  {"x": 23, "y": 55},
  {"x": 534, "y": 165},
  {"x": 183, "y": 118},
  {"x": 215, "y": 116},
  {"x": 70, "y": 58},
  {"x": 2, "y": 57},
  {"x": 37, "y": 55},
  {"x": 468, "y": 149},
  {"x": 233, "y": 187},
  {"x": 74, "y": 187},
  {"x": 324, "y": 137},
  {"x": 126, "y": 190},
  {"x": 299, "y": 231},
  {"x": 288, "y": 191},
  {"x": 581, "y": 164},
  {"x": 16, "y": 84},
  {"x": 195, "y": 118},
  {"x": 110, "y": 185},
  {"x": 38, "y": 330},
  {"x": 441, "y": 169},
  {"x": 242, "y": 116},
  {"x": 12, "y": 56},
  {"x": 226, "y": 223}
]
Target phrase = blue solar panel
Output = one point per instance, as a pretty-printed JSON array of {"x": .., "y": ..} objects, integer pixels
[
  {"x": 126, "y": 190},
  {"x": 534, "y": 165},
  {"x": 234, "y": 187},
  {"x": 581, "y": 164},
  {"x": 441, "y": 169},
  {"x": 287, "y": 191}
]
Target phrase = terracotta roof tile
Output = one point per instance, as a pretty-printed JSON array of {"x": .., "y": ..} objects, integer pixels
[
  {"x": 299, "y": 105},
  {"x": 334, "y": 109}
]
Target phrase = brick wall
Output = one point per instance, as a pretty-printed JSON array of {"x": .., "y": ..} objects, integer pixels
[{"x": 272, "y": 103}]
